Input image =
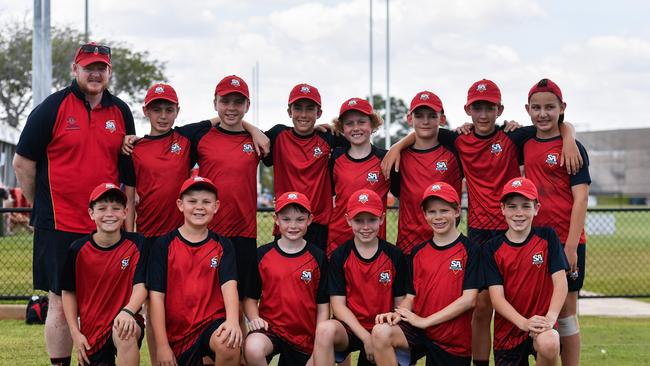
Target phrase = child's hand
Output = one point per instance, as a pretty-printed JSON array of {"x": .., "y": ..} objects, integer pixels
[
  {"x": 124, "y": 324},
  {"x": 81, "y": 343},
  {"x": 412, "y": 318},
  {"x": 166, "y": 356},
  {"x": 369, "y": 349},
  {"x": 388, "y": 318},
  {"x": 572, "y": 258},
  {"x": 391, "y": 159},
  {"x": 257, "y": 324},
  {"x": 128, "y": 143},
  {"x": 326, "y": 128},
  {"x": 510, "y": 125},
  {"x": 261, "y": 142},
  {"x": 570, "y": 157},
  {"x": 230, "y": 334},
  {"x": 465, "y": 129},
  {"x": 536, "y": 324}
]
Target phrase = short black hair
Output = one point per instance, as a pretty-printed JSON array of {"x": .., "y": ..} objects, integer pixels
[{"x": 109, "y": 196}]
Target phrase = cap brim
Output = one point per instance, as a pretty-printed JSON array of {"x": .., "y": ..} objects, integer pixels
[
  {"x": 92, "y": 59},
  {"x": 122, "y": 194},
  {"x": 528, "y": 195},
  {"x": 291, "y": 101},
  {"x": 201, "y": 184},
  {"x": 281, "y": 206},
  {"x": 443, "y": 197},
  {"x": 484, "y": 99},
  {"x": 373, "y": 211},
  {"x": 417, "y": 105},
  {"x": 226, "y": 92},
  {"x": 161, "y": 98}
]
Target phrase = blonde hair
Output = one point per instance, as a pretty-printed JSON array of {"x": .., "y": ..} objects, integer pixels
[{"x": 375, "y": 122}]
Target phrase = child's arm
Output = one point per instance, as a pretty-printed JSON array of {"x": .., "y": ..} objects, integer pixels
[
  {"x": 392, "y": 318},
  {"x": 261, "y": 142},
  {"x": 164, "y": 352},
  {"x": 393, "y": 155},
  {"x": 129, "y": 223},
  {"x": 535, "y": 324},
  {"x": 570, "y": 156},
  {"x": 124, "y": 323},
  {"x": 578, "y": 213},
  {"x": 345, "y": 315},
  {"x": 322, "y": 312},
  {"x": 465, "y": 302},
  {"x": 70, "y": 310},
  {"x": 253, "y": 315},
  {"x": 233, "y": 336},
  {"x": 560, "y": 289}
]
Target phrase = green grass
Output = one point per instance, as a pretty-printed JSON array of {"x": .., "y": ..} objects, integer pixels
[{"x": 606, "y": 341}]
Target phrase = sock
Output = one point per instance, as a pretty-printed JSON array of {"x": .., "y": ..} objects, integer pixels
[
  {"x": 61, "y": 361},
  {"x": 481, "y": 363}
]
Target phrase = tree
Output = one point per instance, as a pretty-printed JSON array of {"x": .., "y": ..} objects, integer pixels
[{"x": 133, "y": 71}]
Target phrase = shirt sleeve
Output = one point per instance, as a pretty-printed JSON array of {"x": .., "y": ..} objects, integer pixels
[
  {"x": 474, "y": 274},
  {"x": 191, "y": 131},
  {"x": 37, "y": 133},
  {"x": 140, "y": 275},
  {"x": 157, "y": 265},
  {"x": 410, "y": 285},
  {"x": 335, "y": 276},
  {"x": 254, "y": 286},
  {"x": 322, "y": 297},
  {"x": 272, "y": 134},
  {"x": 557, "y": 260},
  {"x": 491, "y": 270},
  {"x": 228, "y": 267},
  {"x": 69, "y": 272},
  {"x": 447, "y": 138},
  {"x": 127, "y": 170},
  {"x": 399, "y": 282},
  {"x": 521, "y": 135},
  {"x": 395, "y": 182},
  {"x": 582, "y": 177}
]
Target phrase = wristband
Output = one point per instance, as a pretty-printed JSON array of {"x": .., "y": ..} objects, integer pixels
[{"x": 128, "y": 312}]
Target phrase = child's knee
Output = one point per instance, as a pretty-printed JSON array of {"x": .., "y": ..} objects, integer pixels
[
  {"x": 125, "y": 344},
  {"x": 381, "y": 334},
  {"x": 547, "y": 344},
  {"x": 325, "y": 332},
  {"x": 222, "y": 350},
  {"x": 254, "y": 348}
]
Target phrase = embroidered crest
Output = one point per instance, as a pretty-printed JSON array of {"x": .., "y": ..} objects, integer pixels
[
  {"x": 456, "y": 266},
  {"x": 125, "y": 262},
  {"x": 234, "y": 82},
  {"x": 214, "y": 262},
  {"x": 435, "y": 187},
  {"x": 496, "y": 149},
  {"x": 441, "y": 166},
  {"x": 305, "y": 276},
  {"x": 317, "y": 152},
  {"x": 424, "y": 96},
  {"x": 292, "y": 196},
  {"x": 551, "y": 159},
  {"x": 352, "y": 102},
  {"x": 72, "y": 124},
  {"x": 110, "y": 126},
  {"x": 516, "y": 184},
  {"x": 538, "y": 259},
  {"x": 373, "y": 177},
  {"x": 175, "y": 148},
  {"x": 159, "y": 89},
  {"x": 481, "y": 87},
  {"x": 305, "y": 89},
  {"x": 248, "y": 148},
  {"x": 363, "y": 198},
  {"x": 384, "y": 278}
]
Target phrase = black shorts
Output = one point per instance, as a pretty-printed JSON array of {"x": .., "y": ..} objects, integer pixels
[
  {"x": 575, "y": 284},
  {"x": 517, "y": 356},
  {"x": 289, "y": 355},
  {"x": 193, "y": 356},
  {"x": 50, "y": 252},
  {"x": 105, "y": 356},
  {"x": 317, "y": 235},
  {"x": 481, "y": 236},
  {"x": 420, "y": 345},
  {"x": 246, "y": 258},
  {"x": 354, "y": 344}
]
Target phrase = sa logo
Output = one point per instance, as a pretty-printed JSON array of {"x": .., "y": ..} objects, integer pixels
[
  {"x": 538, "y": 259},
  {"x": 441, "y": 166},
  {"x": 214, "y": 262},
  {"x": 384, "y": 278},
  {"x": 496, "y": 148},
  {"x": 305, "y": 276},
  {"x": 248, "y": 148},
  {"x": 551, "y": 159},
  {"x": 125, "y": 262},
  {"x": 317, "y": 152},
  {"x": 456, "y": 266},
  {"x": 373, "y": 177},
  {"x": 110, "y": 126},
  {"x": 175, "y": 148}
]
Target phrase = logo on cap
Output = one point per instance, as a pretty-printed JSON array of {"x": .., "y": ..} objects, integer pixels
[
  {"x": 363, "y": 198},
  {"x": 538, "y": 259},
  {"x": 125, "y": 262},
  {"x": 496, "y": 149},
  {"x": 305, "y": 89},
  {"x": 516, "y": 184},
  {"x": 248, "y": 148},
  {"x": 110, "y": 126},
  {"x": 198, "y": 179},
  {"x": 292, "y": 196},
  {"x": 424, "y": 96},
  {"x": 317, "y": 152},
  {"x": 441, "y": 166},
  {"x": 435, "y": 187},
  {"x": 96, "y": 51},
  {"x": 456, "y": 266},
  {"x": 305, "y": 276},
  {"x": 175, "y": 148},
  {"x": 214, "y": 262},
  {"x": 110, "y": 186},
  {"x": 352, "y": 102},
  {"x": 234, "y": 82},
  {"x": 373, "y": 177},
  {"x": 159, "y": 89},
  {"x": 384, "y": 277},
  {"x": 551, "y": 159},
  {"x": 481, "y": 87}
]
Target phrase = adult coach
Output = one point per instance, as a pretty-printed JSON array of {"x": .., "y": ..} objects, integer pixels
[{"x": 70, "y": 144}]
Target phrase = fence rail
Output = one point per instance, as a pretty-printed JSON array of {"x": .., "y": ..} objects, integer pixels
[{"x": 618, "y": 250}]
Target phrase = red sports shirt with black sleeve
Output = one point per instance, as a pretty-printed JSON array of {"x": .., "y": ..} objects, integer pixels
[
  {"x": 438, "y": 275},
  {"x": 190, "y": 275},
  {"x": 75, "y": 149},
  {"x": 348, "y": 176},
  {"x": 300, "y": 164},
  {"x": 542, "y": 166},
  {"x": 369, "y": 285},
  {"x": 157, "y": 168},
  {"x": 418, "y": 170},
  {"x": 102, "y": 280},
  {"x": 524, "y": 270},
  {"x": 229, "y": 160},
  {"x": 290, "y": 287}
]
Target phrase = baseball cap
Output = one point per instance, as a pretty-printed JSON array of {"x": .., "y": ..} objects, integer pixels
[
  {"x": 161, "y": 91},
  {"x": 304, "y": 91},
  {"x": 197, "y": 182},
  {"x": 92, "y": 52},
  {"x": 545, "y": 85},
  {"x": 520, "y": 185},
  {"x": 292, "y": 198},
  {"x": 103, "y": 188},
  {"x": 443, "y": 191},
  {"x": 483, "y": 89},
  {"x": 365, "y": 200},
  {"x": 356, "y": 104},
  {"x": 428, "y": 99},
  {"x": 231, "y": 84}
]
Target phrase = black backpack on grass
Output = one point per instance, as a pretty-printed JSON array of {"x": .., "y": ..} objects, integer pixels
[{"x": 36, "y": 310}]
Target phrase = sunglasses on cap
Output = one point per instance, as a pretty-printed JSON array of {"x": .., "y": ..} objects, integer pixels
[{"x": 93, "y": 48}]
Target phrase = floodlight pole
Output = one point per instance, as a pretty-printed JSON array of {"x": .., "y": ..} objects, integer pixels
[
  {"x": 371, "y": 99},
  {"x": 388, "y": 117},
  {"x": 41, "y": 52}
]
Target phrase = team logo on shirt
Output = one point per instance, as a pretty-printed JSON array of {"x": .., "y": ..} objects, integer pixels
[
  {"x": 214, "y": 262},
  {"x": 424, "y": 96},
  {"x": 248, "y": 148},
  {"x": 456, "y": 266},
  {"x": 305, "y": 89},
  {"x": 481, "y": 88},
  {"x": 72, "y": 124},
  {"x": 175, "y": 148},
  {"x": 441, "y": 166},
  {"x": 110, "y": 126},
  {"x": 385, "y": 278},
  {"x": 125, "y": 262},
  {"x": 373, "y": 177},
  {"x": 538, "y": 259},
  {"x": 317, "y": 152},
  {"x": 234, "y": 82},
  {"x": 551, "y": 159},
  {"x": 496, "y": 148},
  {"x": 159, "y": 90},
  {"x": 305, "y": 276},
  {"x": 363, "y": 198}
]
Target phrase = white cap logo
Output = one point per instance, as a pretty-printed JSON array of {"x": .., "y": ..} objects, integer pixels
[
  {"x": 516, "y": 184},
  {"x": 305, "y": 89},
  {"x": 435, "y": 187},
  {"x": 234, "y": 82},
  {"x": 159, "y": 90},
  {"x": 292, "y": 196},
  {"x": 363, "y": 198},
  {"x": 481, "y": 87},
  {"x": 110, "y": 186},
  {"x": 424, "y": 96},
  {"x": 352, "y": 102},
  {"x": 198, "y": 179}
]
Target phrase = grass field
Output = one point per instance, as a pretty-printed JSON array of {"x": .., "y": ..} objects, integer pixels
[
  {"x": 616, "y": 263},
  {"x": 606, "y": 341}
]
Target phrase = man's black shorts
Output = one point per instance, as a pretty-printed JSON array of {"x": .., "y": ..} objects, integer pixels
[
  {"x": 50, "y": 251},
  {"x": 246, "y": 258},
  {"x": 575, "y": 283}
]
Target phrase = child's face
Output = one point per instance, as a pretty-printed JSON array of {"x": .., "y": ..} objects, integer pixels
[
  {"x": 292, "y": 223},
  {"x": 357, "y": 127},
  {"x": 365, "y": 227},
  {"x": 108, "y": 216},
  {"x": 231, "y": 109},
  {"x": 198, "y": 207},
  {"x": 519, "y": 212},
  {"x": 544, "y": 109},
  {"x": 484, "y": 116},
  {"x": 304, "y": 113},
  {"x": 161, "y": 115},
  {"x": 441, "y": 216},
  {"x": 425, "y": 121}
]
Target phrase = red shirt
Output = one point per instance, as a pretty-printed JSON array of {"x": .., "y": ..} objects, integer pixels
[
  {"x": 75, "y": 149},
  {"x": 542, "y": 165},
  {"x": 348, "y": 176},
  {"x": 230, "y": 161},
  {"x": 290, "y": 287}
]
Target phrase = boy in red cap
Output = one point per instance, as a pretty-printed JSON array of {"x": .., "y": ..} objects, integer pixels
[
  {"x": 105, "y": 323},
  {"x": 355, "y": 167},
  {"x": 445, "y": 276},
  {"x": 367, "y": 277},
  {"x": 192, "y": 279},
  {"x": 564, "y": 200},
  {"x": 525, "y": 271},
  {"x": 291, "y": 286}
]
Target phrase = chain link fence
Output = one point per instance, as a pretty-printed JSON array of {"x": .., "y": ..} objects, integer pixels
[{"x": 618, "y": 251}]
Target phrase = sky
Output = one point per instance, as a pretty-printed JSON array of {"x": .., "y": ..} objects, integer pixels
[{"x": 597, "y": 52}]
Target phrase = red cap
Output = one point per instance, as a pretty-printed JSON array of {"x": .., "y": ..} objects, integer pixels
[
  {"x": 197, "y": 181},
  {"x": 232, "y": 84},
  {"x": 103, "y": 188},
  {"x": 92, "y": 52},
  {"x": 161, "y": 91},
  {"x": 288, "y": 198},
  {"x": 365, "y": 200},
  {"x": 545, "y": 85},
  {"x": 304, "y": 91},
  {"x": 483, "y": 89},
  {"x": 428, "y": 99},
  {"x": 522, "y": 186},
  {"x": 356, "y": 104},
  {"x": 443, "y": 191}
]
